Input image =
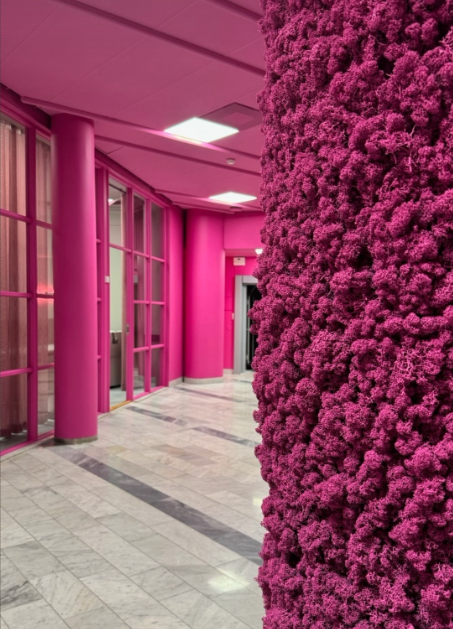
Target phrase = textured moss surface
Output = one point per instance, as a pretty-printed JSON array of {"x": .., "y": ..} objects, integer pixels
[{"x": 355, "y": 361}]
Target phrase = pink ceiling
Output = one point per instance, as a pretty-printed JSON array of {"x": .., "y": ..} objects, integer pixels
[{"x": 98, "y": 58}]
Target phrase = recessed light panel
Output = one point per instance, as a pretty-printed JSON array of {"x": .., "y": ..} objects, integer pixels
[
  {"x": 201, "y": 130},
  {"x": 232, "y": 197}
]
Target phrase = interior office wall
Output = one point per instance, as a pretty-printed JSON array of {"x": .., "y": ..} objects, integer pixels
[
  {"x": 231, "y": 272},
  {"x": 242, "y": 234}
]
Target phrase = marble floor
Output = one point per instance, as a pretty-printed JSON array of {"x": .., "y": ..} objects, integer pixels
[{"x": 156, "y": 524}]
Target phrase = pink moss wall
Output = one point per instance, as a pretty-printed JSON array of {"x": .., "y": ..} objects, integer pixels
[
  {"x": 355, "y": 359},
  {"x": 230, "y": 273}
]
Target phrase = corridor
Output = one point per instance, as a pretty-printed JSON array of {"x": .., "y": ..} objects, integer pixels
[{"x": 156, "y": 524}]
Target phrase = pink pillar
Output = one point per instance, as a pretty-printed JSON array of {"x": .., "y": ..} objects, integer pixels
[
  {"x": 204, "y": 298},
  {"x": 74, "y": 256}
]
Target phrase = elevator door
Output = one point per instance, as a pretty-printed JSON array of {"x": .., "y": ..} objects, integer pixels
[{"x": 253, "y": 294}]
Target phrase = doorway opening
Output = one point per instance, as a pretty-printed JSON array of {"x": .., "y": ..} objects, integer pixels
[{"x": 251, "y": 341}]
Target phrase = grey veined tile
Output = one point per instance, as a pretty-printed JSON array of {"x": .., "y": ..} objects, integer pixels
[
  {"x": 101, "y": 618},
  {"x": 33, "y": 560},
  {"x": 66, "y": 594},
  {"x": 199, "y": 612},
  {"x": 37, "y": 615},
  {"x": 161, "y": 583},
  {"x": 15, "y": 588}
]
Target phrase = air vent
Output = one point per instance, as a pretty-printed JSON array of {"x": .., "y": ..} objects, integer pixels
[{"x": 236, "y": 115}]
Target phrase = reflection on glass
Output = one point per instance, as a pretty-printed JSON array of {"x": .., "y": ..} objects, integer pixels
[
  {"x": 12, "y": 161},
  {"x": 13, "y": 411},
  {"x": 156, "y": 368},
  {"x": 117, "y": 326},
  {"x": 139, "y": 372},
  {"x": 43, "y": 182},
  {"x": 140, "y": 311},
  {"x": 157, "y": 231},
  {"x": 46, "y": 347},
  {"x": 46, "y": 401},
  {"x": 13, "y": 252},
  {"x": 13, "y": 333},
  {"x": 117, "y": 213},
  {"x": 139, "y": 278},
  {"x": 157, "y": 331},
  {"x": 158, "y": 283},
  {"x": 45, "y": 261},
  {"x": 139, "y": 224}
]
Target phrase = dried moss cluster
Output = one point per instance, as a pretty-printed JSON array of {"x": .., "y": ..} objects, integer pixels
[{"x": 355, "y": 360}]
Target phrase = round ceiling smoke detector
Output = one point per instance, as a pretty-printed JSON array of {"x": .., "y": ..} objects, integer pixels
[{"x": 231, "y": 161}]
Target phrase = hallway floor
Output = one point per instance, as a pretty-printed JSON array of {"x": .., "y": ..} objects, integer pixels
[{"x": 156, "y": 524}]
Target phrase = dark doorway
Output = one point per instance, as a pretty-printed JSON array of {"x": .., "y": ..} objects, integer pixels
[{"x": 253, "y": 294}]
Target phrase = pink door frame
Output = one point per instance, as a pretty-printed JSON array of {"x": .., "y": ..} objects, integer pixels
[
  {"x": 33, "y": 126},
  {"x": 106, "y": 170}
]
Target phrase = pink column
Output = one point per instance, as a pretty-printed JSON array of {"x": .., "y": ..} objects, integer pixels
[
  {"x": 74, "y": 256},
  {"x": 204, "y": 298}
]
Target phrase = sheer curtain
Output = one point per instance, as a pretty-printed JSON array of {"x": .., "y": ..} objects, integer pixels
[{"x": 13, "y": 399}]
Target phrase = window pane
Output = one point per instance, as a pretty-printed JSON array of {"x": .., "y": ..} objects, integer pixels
[
  {"x": 140, "y": 311},
  {"x": 140, "y": 278},
  {"x": 158, "y": 281},
  {"x": 12, "y": 186},
  {"x": 46, "y": 401},
  {"x": 43, "y": 182},
  {"x": 156, "y": 368},
  {"x": 46, "y": 348},
  {"x": 139, "y": 224},
  {"x": 117, "y": 213},
  {"x": 157, "y": 328},
  {"x": 139, "y": 372},
  {"x": 13, "y": 333},
  {"x": 157, "y": 231},
  {"x": 13, "y": 268},
  {"x": 13, "y": 410},
  {"x": 45, "y": 261}
]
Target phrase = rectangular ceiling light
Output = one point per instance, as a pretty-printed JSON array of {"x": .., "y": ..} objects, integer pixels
[
  {"x": 201, "y": 130},
  {"x": 232, "y": 197}
]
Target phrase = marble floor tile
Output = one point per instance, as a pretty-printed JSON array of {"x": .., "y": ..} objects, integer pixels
[
  {"x": 160, "y": 583},
  {"x": 66, "y": 594},
  {"x": 244, "y": 605},
  {"x": 243, "y": 571},
  {"x": 207, "y": 580},
  {"x": 33, "y": 560},
  {"x": 37, "y": 615},
  {"x": 15, "y": 589},
  {"x": 121, "y": 554},
  {"x": 165, "y": 552},
  {"x": 125, "y": 526},
  {"x": 101, "y": 618},
  {"x": 137, "y": 608},
  {"x": 199, "y": 612},
  {"x": 11, "y": 533},
  {"x": 195, "y": 543},
  {"x": 157, "y": 524}
]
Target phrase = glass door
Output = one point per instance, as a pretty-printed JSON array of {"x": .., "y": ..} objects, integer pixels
[{"x": 118, "y": 280}]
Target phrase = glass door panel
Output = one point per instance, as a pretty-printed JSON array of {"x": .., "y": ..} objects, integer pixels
[
  {"x": 156, "y": 368},
  {"x": 118, "y": 336},
  {"x": 46, "y": 400},
  {"x": 140, "y": 359},
  {"x": 117, "y": 213},
  {"x": 13, "y": 410}
]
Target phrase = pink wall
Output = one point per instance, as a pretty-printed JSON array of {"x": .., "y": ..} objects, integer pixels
[
  {"x": 242, "y": 234},
  {"x": 204, "y": 296},
  {"x": 175, "y": 293},
  {"x": 230, "y": 273}
]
